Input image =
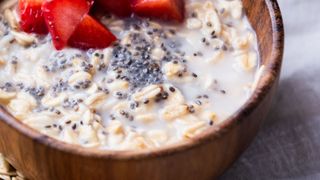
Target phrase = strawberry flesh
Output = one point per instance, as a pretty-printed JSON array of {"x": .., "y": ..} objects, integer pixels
[
  {"x": 91, "y": 34},
  {"x": 118, "y": 7},
  {"x": 62, "y": 17},
  {"x": 31, "y": 17},
  {"x": 161, "y": 9}
]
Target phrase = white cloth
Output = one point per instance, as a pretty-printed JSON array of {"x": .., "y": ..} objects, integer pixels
[{"x": 288, "y": 145}]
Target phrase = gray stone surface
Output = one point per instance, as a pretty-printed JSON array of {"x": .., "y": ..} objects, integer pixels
[{"x": 288, "y": 145}]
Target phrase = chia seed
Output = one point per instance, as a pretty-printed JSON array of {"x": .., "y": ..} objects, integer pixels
[
  {"x": 134, "y": 105},
  {"x": 70, "y": 103},
  {"x": 224, "y": 47},
  {"x": 137, "y": 66},
  {"x": 172, "y": 89},
  {"x": 173, "y": 32},
  {"x": 36, "y": 92},
  {"x": 83, "y": 84},
  {"x": 68, "y": 122},
  {"x": 121, "y": 95},
  {"x": 86, "y": 66},
  {"x": 112, "y": 117},
  {"x": 60, "y": 61},
  {"x": 20, "y": 85},
  {"x": 48, "y": 126},
  {"x": 14, "y": 60},
  {"x": 191, "y": 109},
  {"x": 194, "y": 75},
  {"x": 198, "y": 102},
  {"x": 60, "y": 86},
  {"x": 211, "y": 123},
  {"x": 58, "y": 112},
  {"x": 8, "y": 87}
]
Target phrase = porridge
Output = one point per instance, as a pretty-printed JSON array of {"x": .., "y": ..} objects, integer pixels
[{"x": 159, "y": 83}]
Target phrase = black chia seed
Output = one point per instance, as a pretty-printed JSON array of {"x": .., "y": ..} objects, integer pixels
[
  {"x": 60, "y": 86},
  {"x": 223, "y": 91},
  {"x": 8, "y": 87},
  {"x": 68, "y": 122},
  {"x": 36, "y": 92},
  {"x": 224, "y": 47},
  {"x": 172, "y": 89},
  {"x": 121, "y": 95},
  {"x": 48, "y": 126},
  {"x": 194, "y": 75},
  {"x": 134, "y": 105},
  {"x": 211, "y": 123},
  {"x": 70, "y": 103},
  {"x": 83, "y": 84},
  {"x": 135, "y": 63},
  {"x": 194, "y": 14},
  {"x": 198, "y": 102},
  {"x": 191, "y": 109},
  {"x": 60, "y": 61},
  {"x": 14, "y": 60}
]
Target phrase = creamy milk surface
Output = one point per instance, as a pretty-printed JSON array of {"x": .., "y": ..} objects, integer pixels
[{"x": 160, "y": 83}]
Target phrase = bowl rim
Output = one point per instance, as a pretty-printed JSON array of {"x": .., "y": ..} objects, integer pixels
[{"x": 270, "y": 75}]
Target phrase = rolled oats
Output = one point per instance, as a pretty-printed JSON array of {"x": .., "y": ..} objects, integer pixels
[
  {"x": 23, "y": 39},
  {"x": 148, "y": 92},
  {"x": 13, "y": 23},
  {"x": 174, "y": 111}
]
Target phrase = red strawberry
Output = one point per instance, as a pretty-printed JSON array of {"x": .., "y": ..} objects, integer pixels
[
  {"x": 31, "y": 16},
  {"x": 118, "y": 7},
  {"x": 91, "y": 34},
  {"x": 163, "y": 9},
  {"x": 62, "y": 18}
]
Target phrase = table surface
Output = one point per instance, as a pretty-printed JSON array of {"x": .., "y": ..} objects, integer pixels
[{"x": 288, "y": 145}]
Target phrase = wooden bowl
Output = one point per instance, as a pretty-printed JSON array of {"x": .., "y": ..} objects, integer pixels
[{"x": 205, "y": 157}]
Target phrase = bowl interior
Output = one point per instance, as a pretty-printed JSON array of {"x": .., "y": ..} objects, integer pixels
[{"x": 265, "y": 18}]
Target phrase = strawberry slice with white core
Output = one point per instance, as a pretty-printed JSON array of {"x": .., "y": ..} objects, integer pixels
[
  {"x": 118, "y": 7},
  {"x": 62, "y": 18},
  {"x": 162, "y": 9},
  {"x": 91, "y": 34},
  {"x": 31, "y": 17}
]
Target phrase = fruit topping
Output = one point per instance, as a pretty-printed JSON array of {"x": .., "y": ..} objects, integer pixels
[
  {"x": 31, "y": 17},
  {"x": 162, "y": 9},
  {"x": 62, "y": 18},
  {"x": 118, "y": 7},
  {"x": 91, "y": 34}
]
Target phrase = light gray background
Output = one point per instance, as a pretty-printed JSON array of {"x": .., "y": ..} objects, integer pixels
[{"x": 288, "y": 146}]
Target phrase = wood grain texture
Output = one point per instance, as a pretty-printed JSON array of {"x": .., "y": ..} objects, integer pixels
[{"x": 205, "y": 157}]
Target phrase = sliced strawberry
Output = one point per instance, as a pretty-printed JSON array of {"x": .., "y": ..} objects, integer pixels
[
  {"x": 62, "y": 17},
  {"x": 162, "y": 9},
  {"x": 31, "y": 16},
  {"x": 118, "y": 7},
  {"x": 91, "y": 34}
]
